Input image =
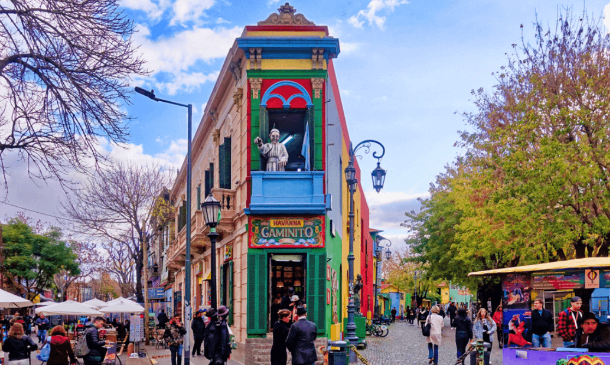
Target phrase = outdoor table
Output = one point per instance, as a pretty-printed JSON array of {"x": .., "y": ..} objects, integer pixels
[{"x": 111, "y": 355}]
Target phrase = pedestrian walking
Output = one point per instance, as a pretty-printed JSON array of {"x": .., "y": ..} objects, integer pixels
[
  {"x": 498, "y": 318},
  {"x": 18, "y": 346},
  {"x": 198, "y": 327},
  {"x": 216, "y": 342},
  {"x": 61, "y": 350},
  {"x": 393, "y": 312},
  {"x": 174, "y": 337},
  {"x": 162, "y": 319},
  {"x": 569, "y": 321},
  {"x": 434, "y": 339},
  {"x": 452, "y": 310},
  {"x": 542, "y": 325},
  {"x": 463, "y": 331},
  {"x": 423, "y": 315},
  {"x": 280, "y": 333},
  {"x": 484, "y": 327},
  {"x": 300, "y": 340},
  {"x": 96, "y": 346},
  {"x": 28, "y": 324},
  {"x": 42, "y": 324}
]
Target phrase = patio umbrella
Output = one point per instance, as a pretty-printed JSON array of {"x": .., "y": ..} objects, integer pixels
[
  {"x": 123, "y": 306},
  {"x": 95, "y": 303},
  {"x": 8, "y": 300},
  {"x": 45, "y": 304},
  {"x": 68, "y": 308}
]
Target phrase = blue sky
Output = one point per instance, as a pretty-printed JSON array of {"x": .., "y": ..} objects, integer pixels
[{"x": 404, "y": 71}]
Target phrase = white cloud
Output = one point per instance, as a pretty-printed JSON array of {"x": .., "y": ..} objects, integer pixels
[
  {"x": 387, "y": 209},
  {"x": 370, "y": 14},
  {"x": 607, "y": 17},
  {"x": 272, "y": 2},
  {"x": 184, "y": 49},
  {"x": 190, "y": 10},
  {"x": 347, "y": 47},
  {"x": 222, "y": 21},
  {"x": 186, "y": 82},
  {"x": 153, "y": 10}
]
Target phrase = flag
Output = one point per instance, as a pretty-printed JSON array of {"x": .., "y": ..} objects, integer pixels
[{"x": 305, "y": 150}]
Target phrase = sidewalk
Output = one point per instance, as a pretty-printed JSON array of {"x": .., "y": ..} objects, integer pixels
[{"x": 162, "y": 357}]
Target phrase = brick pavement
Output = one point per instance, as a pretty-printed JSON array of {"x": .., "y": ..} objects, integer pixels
[{"x": 406, "y": 345}]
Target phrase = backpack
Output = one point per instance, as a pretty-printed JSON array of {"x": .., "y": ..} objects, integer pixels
[
  {"x": 81, "y": 349},
  {"x": 45, "y": 351}
]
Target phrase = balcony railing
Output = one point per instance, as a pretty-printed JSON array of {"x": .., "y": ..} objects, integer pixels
[{"x": 288, "y": 192}]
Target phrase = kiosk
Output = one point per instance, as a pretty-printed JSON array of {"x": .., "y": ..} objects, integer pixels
[{"x": 556, "y": 283}]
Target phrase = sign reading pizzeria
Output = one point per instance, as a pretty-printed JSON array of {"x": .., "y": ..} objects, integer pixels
[{"x": 286, "y": 232}]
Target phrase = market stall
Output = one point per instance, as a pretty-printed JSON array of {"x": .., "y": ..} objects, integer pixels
[{"x": 555, "y": 283}]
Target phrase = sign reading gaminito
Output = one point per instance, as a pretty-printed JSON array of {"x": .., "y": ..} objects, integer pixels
[{"x": 288, "y": 232}]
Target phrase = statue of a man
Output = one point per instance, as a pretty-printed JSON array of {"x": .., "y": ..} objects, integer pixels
[
  {"x": 275, "y": 152},
  {"x": 357, "y": 289}
]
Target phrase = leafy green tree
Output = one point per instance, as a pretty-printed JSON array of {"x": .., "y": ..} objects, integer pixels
[
  {"x": 33, "y": 259},
  {"x": 534, "y": 183}
]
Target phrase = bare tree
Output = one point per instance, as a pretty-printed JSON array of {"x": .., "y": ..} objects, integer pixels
[
  {"x": 119, "y": 264},
  {"x": 117, "y": 204},
  {"x": 88, "y": 260},
  {"x": 64, "y": 76}
]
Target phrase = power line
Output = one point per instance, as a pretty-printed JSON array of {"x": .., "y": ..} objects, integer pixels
[{"x": 37, "y": 212}]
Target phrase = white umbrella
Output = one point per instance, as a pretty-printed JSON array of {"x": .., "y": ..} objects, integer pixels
[
  {"x": 8, "y": 300},
  {"x": 45, "y": 304},
  {"x": 95, "y": 303},
  {"x": 115, "y": 301},
  {"x": 123, "y": 306},
  {"x": 68, "y": 308}
]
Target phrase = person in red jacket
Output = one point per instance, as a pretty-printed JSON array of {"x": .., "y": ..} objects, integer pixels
[
  {"x": 569, "y": 321},
  {"x": 61, "y": 351},
  {"x": 500, "y": 331}
]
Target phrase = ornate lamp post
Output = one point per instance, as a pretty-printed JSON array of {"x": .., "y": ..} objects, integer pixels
[
  {"x": 211, "y": 212},
  {"x": 381, "y": 244},
  {"x": 187, "y": 263},
  {"x": 378, "y": 176}
]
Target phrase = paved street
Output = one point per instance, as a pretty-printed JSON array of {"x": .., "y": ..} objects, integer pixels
[{"x": 406, "y": 345}]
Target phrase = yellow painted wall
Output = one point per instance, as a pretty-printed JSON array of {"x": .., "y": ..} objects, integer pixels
[
  {"x": 269, "y": 64},
  {"x": 357, "y": 233},
  {"x": 445, "y": 295}
]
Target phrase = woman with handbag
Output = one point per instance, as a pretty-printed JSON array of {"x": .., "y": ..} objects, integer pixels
[
  {"x": 433, "y": 329},
  {"x": 484, "y": 327},
  {"x": 174, "y": 337},
  {"x": 18, "y": 346},
  {"x": 61, "y": 350}
]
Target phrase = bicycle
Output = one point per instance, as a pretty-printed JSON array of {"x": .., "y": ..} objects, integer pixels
[{"x": 378, "y": 330}]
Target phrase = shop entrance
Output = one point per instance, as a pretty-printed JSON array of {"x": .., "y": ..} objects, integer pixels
[{"x": 286, "y": 271}]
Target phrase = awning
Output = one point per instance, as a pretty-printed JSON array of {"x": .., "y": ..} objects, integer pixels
[
  {"x": 588, "y": 263},
  {"x": 208, "y": 276},
  {"x": 386, "y": 296}
]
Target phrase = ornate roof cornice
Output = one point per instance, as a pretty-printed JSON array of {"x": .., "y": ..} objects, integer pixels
[{"x": 286, "y": 16}]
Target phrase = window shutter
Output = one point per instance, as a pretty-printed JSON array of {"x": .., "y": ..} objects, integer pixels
[
  {"x": 222, "y": 169},
  {"x": 198, "y": 197},
  {"x": 208, "y": 188},
  {"x": 230, "y": 292},
  {"x": 312, "y": 144},
  {"x": 257, "y": 293},
  {"x": 227, "y": 179},
  {"x": 211, "y": 176},
  {"x": 222, "y": 285},
  {"x": 316, "y": 290},
  {"x": 264, "y": 125}
]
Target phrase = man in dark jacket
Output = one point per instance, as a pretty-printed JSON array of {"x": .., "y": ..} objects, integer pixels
[
  {"x": 96, "y": 346},
  {"x": 542, "y": 325},
  {"x": 198, "y": 327},
  {"x": 285, "y": 304},
  {"x": 43, "y": 326},
  {"x": 300, "y": 340},
  {"x": 452, "y": 310},
  {"x": 162, "y": 319},
  {"x": 216, "y": 345},
  {"x": 593, "y": 335}
]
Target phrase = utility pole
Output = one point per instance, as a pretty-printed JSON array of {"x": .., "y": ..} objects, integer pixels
[
  {"x": 145, "y": 279},
  {"x": 1, "y": 260}
]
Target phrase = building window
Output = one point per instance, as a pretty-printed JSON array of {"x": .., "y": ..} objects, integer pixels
[{"x": 224, "y": 164}]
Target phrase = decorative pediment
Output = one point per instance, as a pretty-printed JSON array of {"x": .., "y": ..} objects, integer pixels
[{"x": 286, "y": 16}]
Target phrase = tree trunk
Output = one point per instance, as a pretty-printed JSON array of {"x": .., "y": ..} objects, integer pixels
[{"x": 139, "y": 266}]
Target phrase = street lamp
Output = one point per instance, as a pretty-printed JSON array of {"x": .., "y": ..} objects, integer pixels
[
  {"x": 381, "y": 244},
  {"x": 187, "y": 262},
  {"x": 378, "y": 176},
  {"x": 211, "y": 211}
]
